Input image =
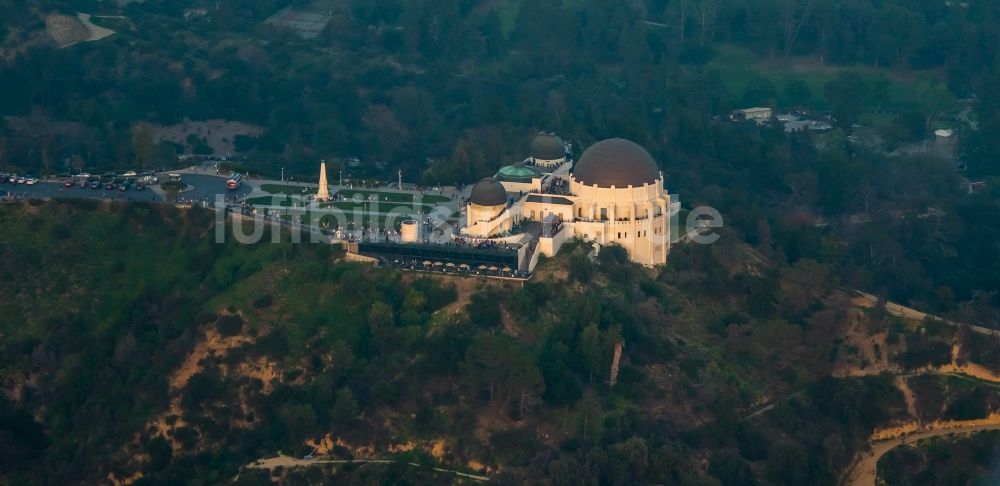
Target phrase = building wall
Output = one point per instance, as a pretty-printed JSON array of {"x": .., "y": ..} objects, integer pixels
[
  {"x": 537, "y": 210},
  {"x": 637, "y": 218},
  {"x": 486, "y": 221},
  {"x": 516, "y": 187},
  {"x": 634, "y": 217},
  {"x": 475, "y": 213},
  {"x": 409, "y": 231},
  {"x": 550, "y": 246}
]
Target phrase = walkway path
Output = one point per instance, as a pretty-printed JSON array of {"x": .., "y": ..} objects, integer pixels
[
  {"x": 96, "y": 31},
  {"x": 865, "y": 469},
  {"x": 864, "y": 299},
  {"x": 287, "y": 461}
]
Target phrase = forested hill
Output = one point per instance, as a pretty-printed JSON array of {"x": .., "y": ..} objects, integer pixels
[
  {"x": 449, "y": 91},
  {"x": 467, "y": 83},
  {"x": 134, "y": 347}
]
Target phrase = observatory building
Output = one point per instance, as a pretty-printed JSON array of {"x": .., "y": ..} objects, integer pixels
[{"x": 613, "y": 195}]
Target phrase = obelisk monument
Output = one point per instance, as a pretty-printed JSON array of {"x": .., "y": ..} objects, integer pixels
[{"x": 324, "y": 191}]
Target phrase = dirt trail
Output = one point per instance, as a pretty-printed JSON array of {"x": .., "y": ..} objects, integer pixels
[
  {"x": 67, "y": 31},
  {"x": 286, "y": 461},
  {"x": 866, "y": 300},
  {"x": 908, "y": 396},
  {"x": 212, "y": 345},
  {"x": 865, "y": 468}
]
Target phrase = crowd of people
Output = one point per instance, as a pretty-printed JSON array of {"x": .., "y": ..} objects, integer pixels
[
  {"x": 480, "y": 243},
  {"x": 558, "y": 187}
]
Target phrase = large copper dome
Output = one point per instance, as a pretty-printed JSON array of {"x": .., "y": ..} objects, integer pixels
[{"x": 616, "y": 162}]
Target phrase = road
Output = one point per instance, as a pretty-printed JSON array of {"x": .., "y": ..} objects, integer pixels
[
  {"x": 286, "y": 461},
  {"x": 865, "y": 471},
  {"x": 204, "y": 187}
]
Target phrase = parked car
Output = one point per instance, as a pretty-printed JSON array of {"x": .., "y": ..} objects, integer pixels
[
  {"x": 68, "y": 184},
  {"x": 22, "y": 180},
  {"x": 110, "y": 186},
  {"x": 130, "y": 173},
  {"x": 31, "y": 181},
  {"x": 95, "y": 185}
]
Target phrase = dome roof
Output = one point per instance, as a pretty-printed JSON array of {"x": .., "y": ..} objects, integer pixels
[
  {"x": 547, "y": 146},
  {"x": 488, "y": 192},
  {"x": 616, "y": 162},
  {"x": 518, "y": 173}
]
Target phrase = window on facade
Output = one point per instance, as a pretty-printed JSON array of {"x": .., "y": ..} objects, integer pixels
[{"x": 604, "y": 214}]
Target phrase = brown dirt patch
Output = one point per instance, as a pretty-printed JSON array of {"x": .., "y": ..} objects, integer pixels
[
  {"x": 218, "y": 134},
  {"x": 65, "y": 30}
]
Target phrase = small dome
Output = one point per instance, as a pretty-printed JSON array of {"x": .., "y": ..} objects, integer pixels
[
  {"x": 547, "y": 146},
  {"x": 518, "y": 173},
  {"x": 616, "y": 162},
  {"x": 488, "y": 192}
]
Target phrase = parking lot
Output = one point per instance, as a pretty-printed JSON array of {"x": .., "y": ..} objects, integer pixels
[
  {"x": 55, "y": 189},
  {"x": 201, "y": 188}
]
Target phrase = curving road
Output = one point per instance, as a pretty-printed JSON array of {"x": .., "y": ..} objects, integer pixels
[{"x": 865, "y": 471}]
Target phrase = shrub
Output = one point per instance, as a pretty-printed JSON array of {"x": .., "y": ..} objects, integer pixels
[
  {"x": 263, "y": 302},
  {"x": 230, "y": 325}
]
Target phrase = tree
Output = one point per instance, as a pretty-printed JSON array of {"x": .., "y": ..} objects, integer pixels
[
  {"x": 498, "y": 365},
  {"x": 759, "y": 92},
  {"x": 345, "y": 407},
  {"x": 160, "y": 454},
  {"x": 484, "y": 309},
  {"x": 797, "y": 93},
  {"x": 590, "y": 347},
  {"x": 299, "y": 421},
  {"x": 142, "y": 145},
  {"x": 589, "y": 418},
  {"x": 382, "y": 326},
  {"x": 731, "y": 470},
  {"x": 524, "y": 382},
  {"x": 846, "y": 94}
]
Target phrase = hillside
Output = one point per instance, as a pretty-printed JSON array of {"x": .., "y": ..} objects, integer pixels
[{"x": 213, "y": 356}]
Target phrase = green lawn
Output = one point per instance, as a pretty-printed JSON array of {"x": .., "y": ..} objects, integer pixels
[
  {"x": 381, "y": 207},
  {"x": 393, "y": 197},
  {"x": 274, "y": 200},
  {"x": 910, "y": 90},
  {"x": 876, "y": 119},
  {"x": 347, "y": 206},
  {"x": 291, "y": 190}
]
